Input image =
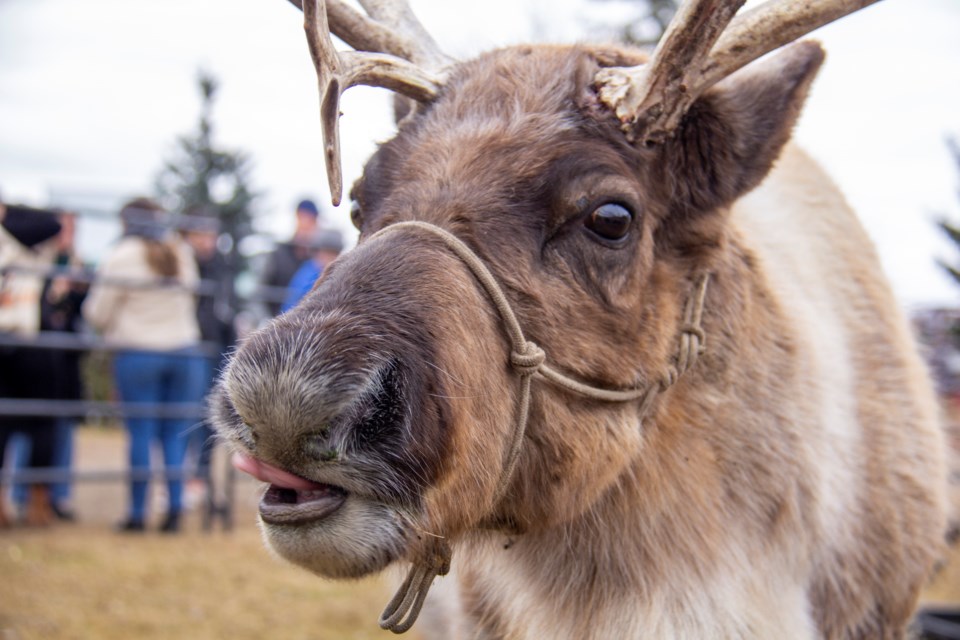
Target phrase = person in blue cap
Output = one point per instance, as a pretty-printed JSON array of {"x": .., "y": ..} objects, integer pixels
[
  {"x": 325, "y": 246},
  {"x": 287, "y": 257}
]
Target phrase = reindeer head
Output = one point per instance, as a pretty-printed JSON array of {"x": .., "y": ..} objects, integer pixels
[{"x": 401, "y": 405}]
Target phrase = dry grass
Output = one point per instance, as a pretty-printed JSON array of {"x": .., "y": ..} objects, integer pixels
[{"x": 85, "y": 581}]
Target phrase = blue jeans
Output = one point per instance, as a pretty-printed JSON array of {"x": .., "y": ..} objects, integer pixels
[
  {"x": 62, "y": 460},
  {"x": 62, "y": 457},
  {"x": 158, "y": 378}
]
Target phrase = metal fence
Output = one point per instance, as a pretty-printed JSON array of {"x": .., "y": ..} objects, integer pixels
[{"x": 219, "y": 502}]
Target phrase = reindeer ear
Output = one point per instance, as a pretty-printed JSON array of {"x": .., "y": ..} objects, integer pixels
[
  {"x": 402, "y": 107},
  {"x": 731, "y": 136}
]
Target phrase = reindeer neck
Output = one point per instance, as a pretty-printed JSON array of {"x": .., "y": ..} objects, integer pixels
[{"x": 670, "y": 515}]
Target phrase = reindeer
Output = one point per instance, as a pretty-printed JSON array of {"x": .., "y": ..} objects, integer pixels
[{"x": 609, "y": 337}]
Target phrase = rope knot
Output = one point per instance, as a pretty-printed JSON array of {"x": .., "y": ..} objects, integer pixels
[
  {"x": 528, "y": 361},
  {"x": 669, "y": 377},
  {"x": 695, "y": 331}
]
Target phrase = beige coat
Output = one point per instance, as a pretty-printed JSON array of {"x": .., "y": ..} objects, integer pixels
[{"x": 138, "y": 316}]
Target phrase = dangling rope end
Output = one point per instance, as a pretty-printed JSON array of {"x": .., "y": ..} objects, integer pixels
[{"x": 404, "y": 608}]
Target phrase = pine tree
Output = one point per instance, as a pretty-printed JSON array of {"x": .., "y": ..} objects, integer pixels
[
  {"x": 200, "y": 179},
  {"x": 951, "y": 230}
]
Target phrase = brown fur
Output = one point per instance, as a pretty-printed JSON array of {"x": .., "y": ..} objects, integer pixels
[{"x": 790, "y": 485}]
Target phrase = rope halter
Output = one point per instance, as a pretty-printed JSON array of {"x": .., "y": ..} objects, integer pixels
[{"x": 529, "y": 360}]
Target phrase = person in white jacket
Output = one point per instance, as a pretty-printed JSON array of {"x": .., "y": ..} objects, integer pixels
[
  {"x": 142, "y": 301},
  {"x": 27, "y": 249}
]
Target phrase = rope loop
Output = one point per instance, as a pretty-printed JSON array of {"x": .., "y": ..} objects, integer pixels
[
  {"x": 669, "y": 376},
  {"x": 528, "y": 361},
  {"x": 404, "y": 609},
  {"x": 697, "y": 332}
]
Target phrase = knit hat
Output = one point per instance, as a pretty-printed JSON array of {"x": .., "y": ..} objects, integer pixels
[
  {"x": 30, "y": 226},
  {"x": 327, "y": 239},
  {"x": 308, "y": 206}
]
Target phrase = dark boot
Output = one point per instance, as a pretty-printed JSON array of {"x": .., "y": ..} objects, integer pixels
[
  {"x": 171, "y": 523},
  {"x": 39, "y": 512},
  {"x": 63, "y": 514},
  {"x": 131, "y": 525}
]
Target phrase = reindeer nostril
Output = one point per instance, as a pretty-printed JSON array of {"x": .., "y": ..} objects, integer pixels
[
  {"x": 317, "y": 445},
  {"x": 384, "y": 410}
]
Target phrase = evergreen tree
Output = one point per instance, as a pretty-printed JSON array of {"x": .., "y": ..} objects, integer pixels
[
  {"x": 951, "y": 230},
  {"x": 200, "y": 179}
]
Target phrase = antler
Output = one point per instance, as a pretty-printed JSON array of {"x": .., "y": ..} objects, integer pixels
[
  {"x": 394, "y": 51},
  {"x": 695, "y": 53}
]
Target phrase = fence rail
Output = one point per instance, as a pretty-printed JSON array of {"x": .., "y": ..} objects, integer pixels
[
  {"x": 19, "y": 412},
  {"x": 103, "y": 409},
  {"x": 213, "y": 509},
  {"x": 66, "y": 341},
  {"x": 43, "y": 475}
]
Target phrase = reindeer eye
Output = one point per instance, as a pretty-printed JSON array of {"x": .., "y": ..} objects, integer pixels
[
  {"x": 610, "y": 221},
  {"x": 356, "y": 215}
]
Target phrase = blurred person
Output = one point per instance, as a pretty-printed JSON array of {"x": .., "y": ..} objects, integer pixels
[
  {"x": 215, "y": 319},
  {"x": 60, "y": 305},
  {"x": 325, "y": 246},
  {"x": 27, "y": 249},
  {"x": 60, "y": 301},
  {"x": 286, "y": 257},
  {"x": 152, "y": 319}
]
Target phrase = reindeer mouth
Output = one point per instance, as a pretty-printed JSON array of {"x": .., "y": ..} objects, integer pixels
[
  {"x": 281, "y": 505},
  {"x": 291, "y": 499}
]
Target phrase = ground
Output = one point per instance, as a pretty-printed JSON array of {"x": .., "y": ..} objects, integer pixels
[{"x": 84, "y": 581}]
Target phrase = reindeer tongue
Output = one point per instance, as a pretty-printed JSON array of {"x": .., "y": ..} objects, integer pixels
[
  {"x": 290, "y": 499},
  {"x": 271, "y": 474}
]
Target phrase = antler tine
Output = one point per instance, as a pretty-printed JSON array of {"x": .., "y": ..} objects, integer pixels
[
  {"x": 651, "y": 99},
  {"x": 401, "y": 17},
  {"x": 769, "y": 26},
  {"x": 406, "y": 38},
  {"x": 337, "y": 72}
]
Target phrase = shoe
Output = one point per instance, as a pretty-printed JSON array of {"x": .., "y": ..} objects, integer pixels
[
  {"x": 131, "y": 525},
  {"x": 63, "y": 514},
  {"x": 38, "y": 511},
  {"x": 5, "y": 521},
  {"x": 171, "y": 524}
]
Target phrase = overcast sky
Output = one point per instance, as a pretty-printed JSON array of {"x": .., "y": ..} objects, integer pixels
[{"x": 93, "y": 95}]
